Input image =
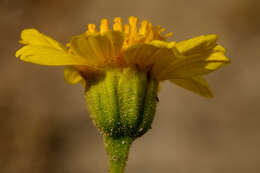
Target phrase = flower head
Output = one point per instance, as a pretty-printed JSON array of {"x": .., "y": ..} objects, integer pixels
[
  {"x": 145, "y": 48},
  {"x": 121, "y": 68}
]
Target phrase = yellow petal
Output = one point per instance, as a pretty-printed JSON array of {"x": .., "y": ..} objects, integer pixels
[
  {"x": 91, "y": 47},
  {"x": 196, "y": 84},
  {"x": 48, "y": 56},
  {"x": 73, "y": 76},
  {"x": 98, "y": 48},
  {"x": 141, "y": 55},
  {"x": 34, "y": 37},
  {"x": 198, "y": 64},
  {"x": 43, "y": 50},
  {"x": 151, "y": 56},
  {"x": 197, "y": 44},
  {"x": 116, "y": 39},
  {"x": 166, "y": 55}
]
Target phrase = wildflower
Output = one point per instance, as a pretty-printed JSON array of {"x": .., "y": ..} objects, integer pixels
[{"x": 121, "y": 68}]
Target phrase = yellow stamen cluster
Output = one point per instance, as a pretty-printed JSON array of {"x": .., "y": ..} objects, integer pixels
[{"x": 145, "y": 34}]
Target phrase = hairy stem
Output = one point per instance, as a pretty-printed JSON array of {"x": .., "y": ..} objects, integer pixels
[{"x": 117, "y": 149}]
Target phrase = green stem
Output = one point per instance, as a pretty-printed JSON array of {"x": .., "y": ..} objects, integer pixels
[{"x": 117, "y": 149}]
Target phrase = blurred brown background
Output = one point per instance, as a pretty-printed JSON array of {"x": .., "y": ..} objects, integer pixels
[{"x": 44, "y": 123}]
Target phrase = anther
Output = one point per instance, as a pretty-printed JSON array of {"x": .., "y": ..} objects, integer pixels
[
  {"x": 91, "y": 28},
  {"x": 104, "y": 26},
  {"x": 168, "y": 35},
  {"x": 118, "y": 24},
  {"x": 144, "y": 27},
  {"x": 133, "y": 24},
  {"x": 127, "y": 28}
]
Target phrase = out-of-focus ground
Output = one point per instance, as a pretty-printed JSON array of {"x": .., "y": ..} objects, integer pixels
[{"x": 44, "y": 123}]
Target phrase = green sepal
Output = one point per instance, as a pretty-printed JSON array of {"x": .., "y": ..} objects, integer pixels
[
  {"x": 101, "y": 96},
  {"x": 122, "y": 102},
  {"x": 150, "y": 102},
  {"x": 131, "y": 93}
]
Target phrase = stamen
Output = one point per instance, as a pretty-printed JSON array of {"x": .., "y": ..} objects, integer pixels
[
  {"x": 168, "y": 35},
  {"x": 118, "y": 24},
  {"x": 144, "y": 27},
  {"x": 161, "y": 30},
  {"x": 132, "y": 34},
  {"x": 150, "y": 36},
  {"x": 127, "y": 28},
  {"x": 133, "y": 24},
  {"x": 91, "y": 29},
  {"x": 104, "y": 26}
]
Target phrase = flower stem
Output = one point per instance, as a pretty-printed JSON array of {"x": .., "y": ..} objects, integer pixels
[{"x": 117, "y": 149}]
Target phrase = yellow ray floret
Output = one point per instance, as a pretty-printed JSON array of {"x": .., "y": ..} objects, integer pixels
[
  {"x": 196, "y": 84},
  {"x": 43, "y": 50},
  {"x": 126, "y": 45}
]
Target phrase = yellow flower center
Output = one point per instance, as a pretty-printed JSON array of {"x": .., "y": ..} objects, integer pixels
[{"x": 146, "y": 33}]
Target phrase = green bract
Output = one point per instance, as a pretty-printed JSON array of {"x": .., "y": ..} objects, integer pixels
[{"x": 122, "y": 102}]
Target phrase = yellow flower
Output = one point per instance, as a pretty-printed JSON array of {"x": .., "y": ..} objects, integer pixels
[
  {"x": 121, "y": 68},
  {"x": 183, "y": 63}
]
